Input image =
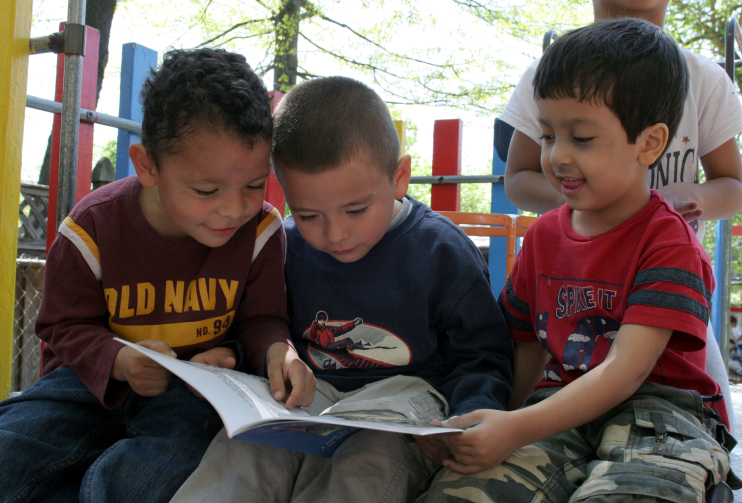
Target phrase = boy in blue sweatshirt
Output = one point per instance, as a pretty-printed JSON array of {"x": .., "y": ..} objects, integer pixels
[{"x": 390, "y": 306}]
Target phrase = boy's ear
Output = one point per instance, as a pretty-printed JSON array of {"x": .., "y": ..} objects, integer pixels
[
  {"x": 143, "y": 164},
  {"x": 653, "y": 141},
  {"x": 402, "y": 176}
]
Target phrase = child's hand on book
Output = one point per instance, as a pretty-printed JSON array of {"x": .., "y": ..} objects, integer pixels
[
  {"x": 290, "y": 379},
  {"x": 488, "y": 439},
  {"x": 217, "y": 357},
  {"x": 144, "y": 375}
]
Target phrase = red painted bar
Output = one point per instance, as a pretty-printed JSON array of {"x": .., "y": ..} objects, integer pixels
[
  {"x": 447, "y": 136},
  {"x": 273, "y": 192},
  {"x": 85, "y": 145},
  {"x": 737, "y": 230}
]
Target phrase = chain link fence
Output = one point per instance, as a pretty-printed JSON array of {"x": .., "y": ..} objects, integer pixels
[{"x": 26, "y": 346}]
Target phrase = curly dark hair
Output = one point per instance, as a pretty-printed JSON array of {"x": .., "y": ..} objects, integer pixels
[{"x": 203, "y": 89}]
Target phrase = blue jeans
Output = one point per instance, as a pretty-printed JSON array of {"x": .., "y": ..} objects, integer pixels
[{"x": 58, "y": 443}]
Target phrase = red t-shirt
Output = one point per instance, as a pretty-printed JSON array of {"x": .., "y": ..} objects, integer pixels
[
  {"x": 110, "y": 273},
  {"x": 572, "y": 293}
]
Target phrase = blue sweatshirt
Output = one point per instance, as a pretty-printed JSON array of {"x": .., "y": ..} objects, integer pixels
[{"x": 418, "y": 304}]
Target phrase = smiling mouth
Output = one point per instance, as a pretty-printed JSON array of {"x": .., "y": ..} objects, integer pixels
[
  {"x": 570, "y": 186},
  {"x": 223, "y": 232},
  {"x": 343, "y": 252}
]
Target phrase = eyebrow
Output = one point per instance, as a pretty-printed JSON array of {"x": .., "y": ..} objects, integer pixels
[
  {"x": 217, "y": 182},
  {"x": 574, "y": 122},
  {"x": 362, "y": 200},
  {"x": 357, "y": 202}
]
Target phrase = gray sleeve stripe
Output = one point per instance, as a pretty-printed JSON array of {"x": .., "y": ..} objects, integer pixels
[
  {"x": 669, "y": 300},
  {"x": 673, "y": 275},
  {"x": 519, "y": 305},
  {"x": 512, "y": 321}
]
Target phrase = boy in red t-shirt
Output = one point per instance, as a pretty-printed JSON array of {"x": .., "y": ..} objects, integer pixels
[{"x": 607, "y": 297}]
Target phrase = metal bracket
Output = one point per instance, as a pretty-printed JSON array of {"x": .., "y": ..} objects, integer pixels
[
  {"x": 74, "y": 39},
  {"x": 71, "y": 41}
]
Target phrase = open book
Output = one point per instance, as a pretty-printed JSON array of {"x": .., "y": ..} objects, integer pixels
[{"x": 249, "y": 412}]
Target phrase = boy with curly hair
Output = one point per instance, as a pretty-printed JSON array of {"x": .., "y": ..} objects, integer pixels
[{"x": 184, "y": 258}]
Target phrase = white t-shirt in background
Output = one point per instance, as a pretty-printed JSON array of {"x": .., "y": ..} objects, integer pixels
[{"x": 712, "y": 116}]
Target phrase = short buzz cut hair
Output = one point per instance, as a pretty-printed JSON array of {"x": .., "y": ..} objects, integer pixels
[
  {"x": 325, "y": 122},
  {"x": 630, "y": 65},
  {"x": 203, "y": 90}
]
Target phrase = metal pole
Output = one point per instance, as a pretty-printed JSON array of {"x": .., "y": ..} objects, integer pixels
[
  {"x": 550, "y": 36},
  {"x": 456, "y": 179},
  {"x": 725, "y": 253},
  {"x": 85, "y": 115},
  {"x": 70, "y": 119}
]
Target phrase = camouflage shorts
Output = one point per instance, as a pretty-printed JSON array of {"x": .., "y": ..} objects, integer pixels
[{"x": 656, "y": 446}]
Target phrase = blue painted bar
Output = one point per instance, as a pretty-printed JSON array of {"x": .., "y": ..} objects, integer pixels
[
  {"x": 717, "y": 317},
  {"x": 500, "y": 204},
  {"x": 136, "y": 62}
]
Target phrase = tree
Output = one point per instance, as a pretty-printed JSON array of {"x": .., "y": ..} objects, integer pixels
[
  {"x": 99, "y": 15},
  {"x": 299, "y": 37}
]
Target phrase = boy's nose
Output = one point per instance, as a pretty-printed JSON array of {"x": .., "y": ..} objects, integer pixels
[
  {"x": 334, "y": 232},
  {"x": 559, "y": 154},
  {"x": 232, "y": 206}
]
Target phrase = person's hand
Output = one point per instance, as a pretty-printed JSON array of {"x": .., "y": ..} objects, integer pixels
[
  {"x": 218, "y": 357},
  {"x": 290, "y": 379},
  {"x": 433, "y": 447},
  {"x": 490, "y": 437},
  {"x": 681, "y": 201},
  {"x": 221, "y": 357},
  {"x": 145, "y": 376}
]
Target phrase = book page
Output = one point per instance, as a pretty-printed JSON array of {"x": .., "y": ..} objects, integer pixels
[{"x": 240, "y": 399}]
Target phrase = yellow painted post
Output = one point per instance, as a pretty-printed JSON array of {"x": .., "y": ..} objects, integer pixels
[
  {"x": 15, "y": 32},
  {"x": 402, "y": 132}
]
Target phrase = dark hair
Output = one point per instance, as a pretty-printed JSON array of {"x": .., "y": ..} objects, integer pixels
[
  {"x": 324, "y": 122},
  {"x": 733, "y": 319},
  {"x": 203, "y": 89},
  {"x": 628, "y": 64}
]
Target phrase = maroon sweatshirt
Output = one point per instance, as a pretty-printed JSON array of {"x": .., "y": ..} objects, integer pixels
[{"x": 110, "y": 273}]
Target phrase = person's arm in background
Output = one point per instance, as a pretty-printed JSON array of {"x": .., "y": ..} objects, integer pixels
[
  {"x": 720, "y": 197},
  {"x": 525, "y": 184}
]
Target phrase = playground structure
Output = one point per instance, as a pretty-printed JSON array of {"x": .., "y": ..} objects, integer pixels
[{"x": 72, "y": 141}]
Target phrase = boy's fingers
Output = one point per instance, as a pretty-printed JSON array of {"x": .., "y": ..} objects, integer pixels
[
  {"x": 463, "y": 422},
  {"x": 159, "y": 346},
  {"x": 278, "y": 387},
  {"x": 228, "y": 363}
]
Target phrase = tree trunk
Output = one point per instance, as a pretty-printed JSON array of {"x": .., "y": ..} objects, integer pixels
[
  {"x": 98, "y": 15},
  {"x": 286, "y": 62}
]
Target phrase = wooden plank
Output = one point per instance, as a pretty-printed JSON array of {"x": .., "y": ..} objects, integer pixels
[
  {"x": 447, "y": 135},
  {"x": 15, "y": 30},
  {"x": 273, "y": 192},
  {"x": 136, "y": 63}
]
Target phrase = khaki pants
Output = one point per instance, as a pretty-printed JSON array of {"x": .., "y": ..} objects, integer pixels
[{"x": 370, "y": 466}]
